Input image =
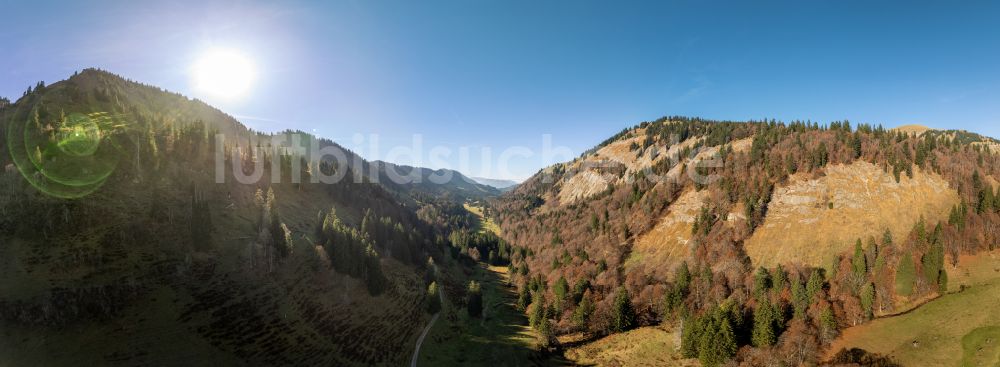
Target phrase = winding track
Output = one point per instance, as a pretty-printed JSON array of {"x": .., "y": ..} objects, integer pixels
[{"x": 420, "y": 340}]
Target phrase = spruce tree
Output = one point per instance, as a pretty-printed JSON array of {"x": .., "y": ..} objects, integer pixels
[
  {"x": 933, "y": 263},
  {"x": 707, "y": 353},
  {"x": 682, "y": 277},
  {"x": 718, "y": 341},
  {"x": 779, "y": 278},
  {"x": 763, "y": 325},
  {"x": 545, "y": 333},
  {"x": 560, "y": 290},
  {"x": 905, "y": 275},
  {"x": 523, "y": 298},
  {"x": 433, "y": 299},
  {"x": 886, "y": 237},
  {"x": 726, "y": 340},
  {"x": 859, "y": 264},
  {"x": 538, "y": 310},
  {"x": 581, "y": 315},
  {"x": 761, "y": 282},
  {"x": 800, "y": 299},
  {"x": 622, "y": 313},
  {"x": 815, "y": 284},
  {"x": 474, "y": 300},
  {"x": 672, "y": 300},
  {"x": 691, "y": 337},
  {"x": 827, "y": 325},
  {"x": 867, "y": 298},
  {"x": 943, "y": 282}
]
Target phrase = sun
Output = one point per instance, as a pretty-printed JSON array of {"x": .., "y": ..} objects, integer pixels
[{"x": 223, "y": 74}]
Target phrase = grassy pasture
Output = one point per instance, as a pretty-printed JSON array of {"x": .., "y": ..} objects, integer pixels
[
  {"x": 485, "y": 224},
  {"x": 500, "y": 338},
  {"x": 961, "y": 328},
  {"x": 646, "y": 346}
]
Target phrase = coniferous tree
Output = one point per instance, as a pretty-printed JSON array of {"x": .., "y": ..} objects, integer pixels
[
  {"x": 691, "y": 337},
  {"x": 834, "y": 267},
  {"x": 581, "y": 287},
  {"x": 707, "y": 353},
  {"x": 622, "y": 313},
  {"x": 351, "y": 252},
  {"x": 933, "y": 263},
  {"x": 867, "y": 298},
  {"x": 827, "y": 325},
  {"x": 943, "y": 282},
  {"x": 433, "y": 299},
  {"x": 725, "y": 346},
  {"x": 538, "y": 310},
  {"x": 545, "y": 333},
  {"x": 763, "y": 325},
  {"x": 560, "y": 290},
  {"x": 815, "y": 284},
  {"x": 985, "y": 200},
  {"x": 905, "y": 275},
  {"x": 856, "y": 145},
  {"x": 859, "y": 264},
  {"x": 957, "y": 216},
  {"x": 583, "y": 311},
  {"x": 886, "y": 238},
  {"x": 673, "y": 298},
  {"x": 779, "y": 278},
  {"x": 800, "y": 300},
  {"x": 201, "y": 221},
  {"x": 920, "y": 228},
  {"x": 761, "y": 282},
  {"x": 682, "y": 277},
  {"x": 523, "y": 298},
  {"x": 474, "y": 301}
]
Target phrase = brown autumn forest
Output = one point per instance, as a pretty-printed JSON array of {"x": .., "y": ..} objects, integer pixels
[{"x": 570, "y": 259}]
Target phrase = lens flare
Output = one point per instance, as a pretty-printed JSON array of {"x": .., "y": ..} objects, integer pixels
[
  {"x": 79, "y": 135},
  {"x": 67, "y": 157}
]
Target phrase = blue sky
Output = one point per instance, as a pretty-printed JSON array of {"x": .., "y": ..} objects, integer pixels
[{"x": 478, "y": 73}]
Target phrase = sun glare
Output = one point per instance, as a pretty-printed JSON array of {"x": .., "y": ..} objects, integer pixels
[{"x": 223, "y": 73}]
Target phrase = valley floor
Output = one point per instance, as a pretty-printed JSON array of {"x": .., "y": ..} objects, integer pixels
[
  {"x": 485, "y": 223},
  {"x": 501, "y": 338}
]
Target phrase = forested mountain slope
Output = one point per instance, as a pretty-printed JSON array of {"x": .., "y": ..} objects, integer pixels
[
  {"x": 118, "y": 247},
  {"x": 765, "y": 238},
  {"x": 502, "y": 185}
]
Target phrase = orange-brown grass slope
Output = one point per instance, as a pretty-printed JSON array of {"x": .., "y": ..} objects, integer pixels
[
  {"x": 810, "y": 220},
  {"x": 912, "y": 129},
  {"x": 668, "y": 243}
]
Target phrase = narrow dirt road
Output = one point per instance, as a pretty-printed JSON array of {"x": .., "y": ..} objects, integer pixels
[{"x": 420, "y": 340}]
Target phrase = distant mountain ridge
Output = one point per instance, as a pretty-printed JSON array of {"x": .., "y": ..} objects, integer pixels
[
  {"x": 502, "y": 185},
  {"x": 408, "y": 181},
  {"x": 441, "y": 182}
]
